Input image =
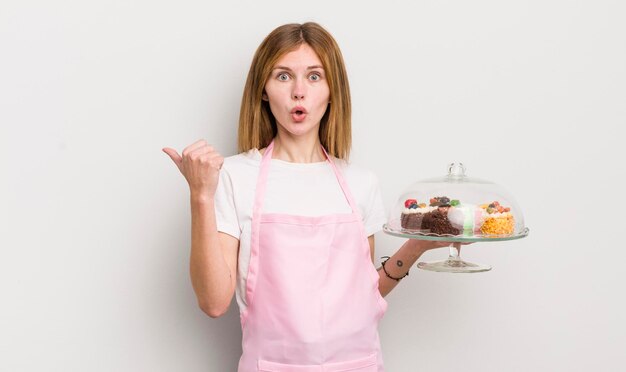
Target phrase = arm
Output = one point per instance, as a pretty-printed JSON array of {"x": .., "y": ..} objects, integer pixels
[
  {"x": 402, "y": 261},
  {"x": 213, "y": 261}
]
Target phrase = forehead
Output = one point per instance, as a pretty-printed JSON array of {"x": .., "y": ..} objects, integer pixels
[{"x": 302, "y": 57}]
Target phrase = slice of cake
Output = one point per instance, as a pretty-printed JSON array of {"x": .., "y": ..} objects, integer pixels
[
  {"x": 413, "y": 214},
  {"x": 437, "y": 220},
  {"x": 498, "y": 220},
  {"x": 466, "y": 217}
]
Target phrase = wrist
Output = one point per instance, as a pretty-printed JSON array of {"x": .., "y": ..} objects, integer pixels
[
  {"x": 415, "y": 248},
  {"x": 387, "y": 274},
  {"x": 201, "y": 198}
]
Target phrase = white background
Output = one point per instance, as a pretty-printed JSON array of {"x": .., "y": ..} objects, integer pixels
[{"x": 95, "y": 218}]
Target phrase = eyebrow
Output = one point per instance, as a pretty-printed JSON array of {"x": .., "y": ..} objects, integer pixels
[{"x": 288, "y": 69}]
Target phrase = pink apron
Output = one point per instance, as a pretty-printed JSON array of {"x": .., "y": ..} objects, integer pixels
[{"x": 312, "y": 291}]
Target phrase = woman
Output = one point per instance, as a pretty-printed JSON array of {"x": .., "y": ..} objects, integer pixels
[{"x": 288, "y": 223}]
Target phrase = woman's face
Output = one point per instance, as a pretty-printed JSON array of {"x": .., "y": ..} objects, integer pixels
[{"x": 298, "y": 92}]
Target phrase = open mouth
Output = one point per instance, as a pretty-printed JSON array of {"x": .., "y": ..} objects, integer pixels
[
  {"x": 298, "y": 113},
  {"x": 298, "y": 116}
]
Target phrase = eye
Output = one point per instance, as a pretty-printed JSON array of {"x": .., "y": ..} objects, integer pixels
[
  {"x": 315, "y": 77},
  {"x": 283, "y": 76}
]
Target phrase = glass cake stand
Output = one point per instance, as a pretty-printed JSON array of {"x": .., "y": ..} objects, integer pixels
[{"x": 459, "y": 210}]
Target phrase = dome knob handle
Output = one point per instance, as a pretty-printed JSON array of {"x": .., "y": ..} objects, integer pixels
[{"x": 456, "y": 170}]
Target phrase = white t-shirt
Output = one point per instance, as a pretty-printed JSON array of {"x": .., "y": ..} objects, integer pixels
[{"x": 306, "y": 189}]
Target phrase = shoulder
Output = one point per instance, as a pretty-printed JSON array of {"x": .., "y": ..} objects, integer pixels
[
  {"x": 241, "y": 163},
  {"x": 250, "y": 157},
  {"x": 356, "y": 173},
  {"x": 240, "y": 170},
  {"x": 366, "y": 191}
]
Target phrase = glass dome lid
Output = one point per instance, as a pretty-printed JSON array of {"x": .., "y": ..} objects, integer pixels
[{"x": 456, "y": 208}]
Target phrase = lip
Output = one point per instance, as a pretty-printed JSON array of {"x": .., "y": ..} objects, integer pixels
[{"x": 299, "y": 108}]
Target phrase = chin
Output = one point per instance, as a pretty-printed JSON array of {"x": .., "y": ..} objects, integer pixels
[{"x": 298, "y": 129}]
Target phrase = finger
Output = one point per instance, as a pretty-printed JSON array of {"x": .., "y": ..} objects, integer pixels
[
  {"x": 220, "y": 162},
  {"x": 173, "y": 154},
  {"x": 214, "y": 159},
  {"x": 198, "y": 152},
  {"x": 193, "y": 146}
]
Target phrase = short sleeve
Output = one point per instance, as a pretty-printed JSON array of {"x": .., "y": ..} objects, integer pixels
[
  {"x": 375, "y": 217},
  {"x": 225, "y": 212}
]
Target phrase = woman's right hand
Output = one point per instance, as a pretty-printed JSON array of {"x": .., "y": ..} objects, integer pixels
[
  {"x": 425, "y": 245},
  {"x": 200, "y": 164}
]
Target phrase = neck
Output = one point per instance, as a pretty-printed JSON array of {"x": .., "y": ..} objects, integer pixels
[{"x": 298, "y": 149}]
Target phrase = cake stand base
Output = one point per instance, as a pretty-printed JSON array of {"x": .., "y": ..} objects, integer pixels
[{"x": 453, "y": 266}]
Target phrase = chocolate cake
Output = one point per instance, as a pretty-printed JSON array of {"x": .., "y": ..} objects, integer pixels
[
  {"x": 411, "y": 221},
  {"x": 437, "y": 221},
  {"x": 411, "y": 217}
]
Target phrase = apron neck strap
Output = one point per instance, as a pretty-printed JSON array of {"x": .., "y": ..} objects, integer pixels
[{"x": 262, "y": 181}]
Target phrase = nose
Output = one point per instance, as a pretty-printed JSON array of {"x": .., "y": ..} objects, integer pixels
[{"x": 298, "y": 90}]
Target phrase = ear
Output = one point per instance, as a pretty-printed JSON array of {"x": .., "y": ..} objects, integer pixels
[{"x": 264, "y": 97}]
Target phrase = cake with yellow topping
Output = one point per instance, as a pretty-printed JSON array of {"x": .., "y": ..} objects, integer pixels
[{"x": 498, "y": 220}]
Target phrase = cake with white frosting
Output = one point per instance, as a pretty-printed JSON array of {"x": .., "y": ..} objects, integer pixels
[
  {"x": 429, "y": 219},
  {"x": 413, "y": 214},
  {"x": 468, "y": 218}
]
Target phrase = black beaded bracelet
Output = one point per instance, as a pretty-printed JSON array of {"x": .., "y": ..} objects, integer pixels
[{"x": 386, "y": 273}]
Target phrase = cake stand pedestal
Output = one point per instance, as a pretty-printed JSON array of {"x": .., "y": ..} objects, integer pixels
[{"x": 454, "y": 263}]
